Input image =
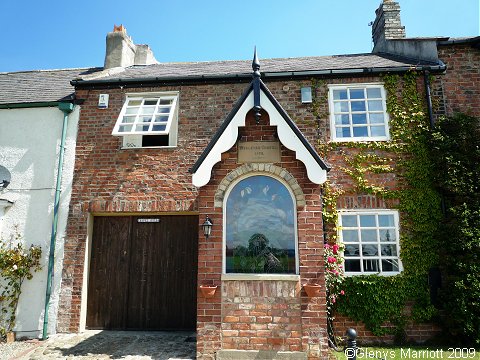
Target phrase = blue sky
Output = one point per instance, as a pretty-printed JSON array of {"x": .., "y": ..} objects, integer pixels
[{"x": 60, "y": 34}]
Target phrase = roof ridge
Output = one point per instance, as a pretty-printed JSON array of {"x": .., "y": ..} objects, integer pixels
[
  {"x": 49, "y": 70},
  {"x": 247, "y": 61}
]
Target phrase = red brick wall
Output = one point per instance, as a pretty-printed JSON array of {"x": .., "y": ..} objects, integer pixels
[
  {"x": 461, "y": 82},
  {"x": 108, "y": 179},
  {"x": 262, "y": 315},
  {"x": 416, "y": 333}
]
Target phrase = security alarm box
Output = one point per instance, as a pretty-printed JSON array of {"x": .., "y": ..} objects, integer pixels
[{"x": 103, "y": 101}]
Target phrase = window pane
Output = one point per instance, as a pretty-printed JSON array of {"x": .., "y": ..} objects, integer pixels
[
  {"x": 386, "y": 221},
  {"x": 150, "y": 102},
  {"x": 352, "y": 250},
  {"x": 145, "y": 119},
  {"x": 352, "y": 265},
  {"x": 377, "y": 118},
  {"x": 342, "y": 119},
  {"x": 357, "y": 94},
  {"x": 128, "y": 119},
  {"x": 158, "y": 127},
  {"x": 367, "y": 221},
  {"x": 350, "y": 235},
  {"x": 141, "y": 127},
  {"x": 340, "y": 94},
  {"x": 388, "y": 235},
  {"x": 343, "y": 132},
  {"x": 340, "y": 106},
  {"x": 358, "y": 105},
  {"x": 134, "y": 102},
  {"x": 260, "y": 227},
  {"x": 369, "y": 235},
  {"x": 390, "y": 265},
  {"x": 389, "y": 250},
  {"x": 371, "y": 265},
  {"x": 125, "y": 128},
  {"x": 349, "y": 220},
  {"x": 148, "y": 110},
  {"x": 360, "y": 131},
  {"x": 375, "y": 105},
  {"x": 373, "y": 93},
  {"x": 377, "y": 130},
  {"x": 161, "y": 119},
  {"x": 132, "y": 110},
  {"x": 359, "y": 118},
  {"x": 369, "y": 250},
  {"x": 164, "y": 110},
  {"x": 166, "y": 101}
]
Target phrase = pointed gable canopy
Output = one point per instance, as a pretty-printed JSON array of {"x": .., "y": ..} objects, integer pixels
[{"x": 257, "y": 97}]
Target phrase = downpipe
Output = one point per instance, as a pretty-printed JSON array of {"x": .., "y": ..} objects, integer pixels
[{"x": 66, "y": 108}]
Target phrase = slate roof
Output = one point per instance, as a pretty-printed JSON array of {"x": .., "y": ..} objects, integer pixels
[
  {"x": 270, "y": 67},
  {"x": 38, "y": 86},
  {"x": 54, "y": 85}
]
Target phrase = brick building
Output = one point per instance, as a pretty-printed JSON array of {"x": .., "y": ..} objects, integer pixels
[{"x": 165, "y": 148}]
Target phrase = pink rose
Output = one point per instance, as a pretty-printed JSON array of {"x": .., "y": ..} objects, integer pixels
[
  {"x": 342, "y": 292},
  {"x": 331, "y": 260},
  {"x": 336, "y": 272},
  {"x": 335, "y": 248},
  {"x": 327, "y": 246}
]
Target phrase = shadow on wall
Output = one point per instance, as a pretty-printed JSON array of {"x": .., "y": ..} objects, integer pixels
[{"x": 121, "y": 344}]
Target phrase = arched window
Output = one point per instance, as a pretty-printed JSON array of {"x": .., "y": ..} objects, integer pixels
[{"x": 260, "y": 227}]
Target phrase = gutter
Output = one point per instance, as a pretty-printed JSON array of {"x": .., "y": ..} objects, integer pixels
[
  {"x": 247, "y": 76},
  {"x": 66, "y": 108},
  {"x": 30, "y": 105}
]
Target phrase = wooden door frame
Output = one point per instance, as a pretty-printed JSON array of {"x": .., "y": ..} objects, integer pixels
[{"x": 88, "y": 250}]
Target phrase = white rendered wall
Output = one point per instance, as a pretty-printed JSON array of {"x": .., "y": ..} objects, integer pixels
[{"x": 29, "y": 149}]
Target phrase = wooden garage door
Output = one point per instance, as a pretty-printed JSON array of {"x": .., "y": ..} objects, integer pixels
[{"x": 143, "y": 273}]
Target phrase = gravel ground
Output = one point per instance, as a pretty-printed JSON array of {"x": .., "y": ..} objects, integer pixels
[{"x": 12, "y": 350}]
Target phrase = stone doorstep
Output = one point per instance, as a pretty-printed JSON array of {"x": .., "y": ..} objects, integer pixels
[{"x": 260, "y": 355}]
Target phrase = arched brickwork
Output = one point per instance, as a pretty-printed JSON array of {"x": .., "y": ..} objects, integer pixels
[{"x": 260, "y": 168}]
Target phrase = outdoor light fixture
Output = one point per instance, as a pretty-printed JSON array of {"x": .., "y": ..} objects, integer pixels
[
  {"x": 306, "y": 94},
  {"x": 207, "y": 227}
]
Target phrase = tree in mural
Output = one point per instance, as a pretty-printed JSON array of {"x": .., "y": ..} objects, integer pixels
[{"x": 259, "y": 257}]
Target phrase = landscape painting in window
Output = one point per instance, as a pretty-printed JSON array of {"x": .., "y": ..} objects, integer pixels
[{"x": 260, "y": 227}]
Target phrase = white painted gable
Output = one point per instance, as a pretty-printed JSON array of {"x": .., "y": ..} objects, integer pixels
[{"x": 287, "y": 136}]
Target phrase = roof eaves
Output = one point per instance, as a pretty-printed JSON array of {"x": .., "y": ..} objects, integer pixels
[{"x": 433, "y": 67}]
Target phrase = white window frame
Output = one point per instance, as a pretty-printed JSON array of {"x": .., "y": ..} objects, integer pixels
[
  {"x": 333, "y": 128},
  {"x": 258, "y": 276},
  {"x": 379, "y": 256},
  {"x": 133, "y": 138}
]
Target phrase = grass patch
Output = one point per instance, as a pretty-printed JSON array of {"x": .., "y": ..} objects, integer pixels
[{"x": 388, "y": 353}]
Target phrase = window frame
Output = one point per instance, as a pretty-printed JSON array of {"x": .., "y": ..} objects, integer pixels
[
  {"x": 133, "y": 139},
  {"x": 379, "y": 256},
  {"x": 363, "y": 86},
  {"x": 258, "y": 276}
]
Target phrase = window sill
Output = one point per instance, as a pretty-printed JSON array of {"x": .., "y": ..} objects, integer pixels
[
  {"x": 261, "y": 277},
  {"x": 358, "y": 140},
  {"x": 149, "y": 147}
]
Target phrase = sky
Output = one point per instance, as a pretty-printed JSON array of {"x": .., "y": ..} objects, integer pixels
[{"x": 57, "y": 34}]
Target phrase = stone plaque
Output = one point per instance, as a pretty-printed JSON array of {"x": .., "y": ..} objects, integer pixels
[{"x": 259, "y": 152}]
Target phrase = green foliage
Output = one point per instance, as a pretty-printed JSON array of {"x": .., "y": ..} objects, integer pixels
[
  {"x": 16, "y": 265},
  {"x": 373, "y": 299},
  {"x": 456, "y": 149}
]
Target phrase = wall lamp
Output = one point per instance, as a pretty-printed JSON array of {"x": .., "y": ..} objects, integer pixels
[{"x": 207, "y": 227}]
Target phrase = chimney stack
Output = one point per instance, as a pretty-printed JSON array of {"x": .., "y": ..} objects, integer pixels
[
  {"x": 122, "y": 52},
  {"x": 387, "y": 24}
]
